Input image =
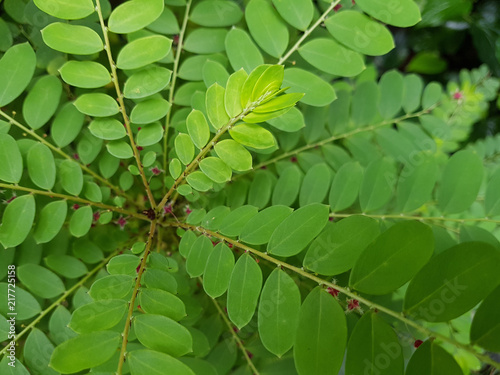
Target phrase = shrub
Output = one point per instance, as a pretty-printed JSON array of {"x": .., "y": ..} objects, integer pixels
[{"x": 210, "y": 187}]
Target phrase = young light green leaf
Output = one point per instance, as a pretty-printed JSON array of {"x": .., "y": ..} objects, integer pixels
[
  {"x": 234, "y": 155},
  {"x": 453, "y": 282},
  {"x": 393, "y": 258},
  {"x": 17, "y": 220},
  {"x": 266, "y": 27},
  {"x": 66, "y": 9},
  {"x": 41, "y": 166},
  {"x": 252, "y": 135},
  {"x": 297, "y": 230},
  {"x": 258, "y": 230},
  {"x": 97, "y": 104},
  {"x": 401, "y": 14},
  {"x": 50, "y": 221},
  {"x": 98, "y": 316},
  {"x": 214, "y": 72},
  {"x": 85, "y": 74},
  {"x": 374, "y": 346},
  {"x": 244, "y": 289},
  {"x": 85, "y": 351},
  {"x": 17, "y": 66},
  {"x": 198, "y": 255},
  {"x": 143, "y": 51},
  {"x": 150, "y": 362},
  {"x": 317, "y": 92},
  {"x": 242, "y": 51},
  {"x": 321, "y": 335},
  {"x": 338, "y": 247},
  {"x": 217, "y": 274},
  {"x": 198, "y": 128},
  {"x": 430, "y": 358},
  {"x": 199, "y": 181},
  {"x": 74, "y": 39},
  {"x": 11, "y": 169},
  {"x": 163, "y": 334},
  {"x": 216, "y": 169},
  {"x": 368, "y": 37},
  {"x": 278, "y": 314},
  {"x": 81, "y": 221},
  {"x": 134, "y": 15},
  {"x": 40, "y": 281},
  {"x": 42, "y": 101},
  {"x": 460, "y": 182},
  {"x": 214, "y": 102},
  {"x": 184, "y": 148},
  {"x": 233, "y": 92}
]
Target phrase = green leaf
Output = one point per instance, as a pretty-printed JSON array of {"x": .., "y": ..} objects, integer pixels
[
  {"x": 218, "y": 271},
  {"x": 85, "y": 351},
  {"x": 234, "y": 155},
  {"x": 124, "y": 264},
  {"x": 81, "y": 221},
  {"x": 66, "y": 9},
  {"x": 393, "y": 258},
  {"x": 233, "y": 90},
  {"x": 175, "y": 168},
  {"x": 287, "y": 188},
  {"x": 402, "y": 13},
  {"x": 40, "y": 281},
  {"x": 378, "y": 183},
  {"x": 485, "y": 325},
  {"x": 150, "y": 134},
  {"x": 216, "y": 169},
  {"x": 17, "y": 221},
  {"x": 244, "y": 289},
  {"x": 278, "y": 314},
  {"x": 321, "y": 335},
  {"x": 66, "y": 125},
  {"x": 258, "y": 230},
  {"x": 432, "y": 94},
  {"x": 85, "y": 74},
  {"x": 267, "y": 84},
  {"x": 163, "y": 334},
  {"x": 492, "y": 196},
  {"x": 5, "y": 36},
  {"x": 41, "y": 166},
  {"x": 97, "y": 104},
  {"x": 430, "y": 358},
  {"x": 214, "y": 72},
  {"x": 317, "y": 92},
  {"x": 216, "y": 111},
  {"x": 198, "y": 129},
  {"x": 11, "y": 168},
  {"x": 165, "y": 24},
  {"x": 146, "y": 82},
  {"x": 216, "y": 13},
  {"x": 233, "y": 223},
  {"x": 391, "y": 94},
  {"x": 298, "y": 13},
  {"x": 203, "y": 41},
  {"x": 149, "y": 110},
  {"x": 345, "y": 186},
  {"x": 120, "y": 149},
  {"x": 112, "y": 287},
  {"x": 198, "y": 255},
  {"x": 71, "y": 177},
  {"x": 252, "y": 135},
  {"x": 98, "y": 316},
  {"x": 184, "y": 148},
  {"x": 37, "y": 352},
  {"x": 143, "y": 51},
  {"x": 266, "y": 27},
  {"x": 50, "y": 221},
  {"x": 199, "y": 181},
  {"x": 277, "y": 104},
  {"x": 17, "y": 66},
  {"x": 297, "y": 230},
  {"x": 12, "y": 368},
  {"x": 331, "y": 57},
  {"x": 368, "y": 37},
  {"x": 453, "y": 282},
  {"x": 66, "y": 266},
  {"x": 315, "y": 184},
  {"x": 242, "y": 51},
  {"x": 149, "y": 362},
  {"x": 26, "y": 305},
  {"x": 374, "y": 347},
  {"x": 107, "y": 128},
  {"x": 42, "y": 101},
  {"x": 460, "y": 182},
  {"x": 73, "y": 39},
  {"x": 157, "y": 301},
  {"x": 338, "y": 247},
  {"x": 134, "y": 15}
]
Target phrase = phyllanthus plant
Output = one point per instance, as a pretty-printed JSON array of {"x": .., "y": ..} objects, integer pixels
[{"x": 221, "y": 187}]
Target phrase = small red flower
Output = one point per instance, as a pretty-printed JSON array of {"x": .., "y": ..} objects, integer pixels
[
  {"x": 353, "y": 304},
  {"x": 293, "y": 159},
  {"x": 458, "y": 95},
  {"x": 250, "y": 355},
  {"x": 418, "y": 343},
  {"x": 156, "y": 171},
  {"x": 76, "y": 206},
  {"x": 337, "y": 7},
  {"x": 139, "y": 148},
  {"x": 334, "y": 292},
  {"x": 97, "y": 215},
  {"x": 10, "y": 199},
  {"x": 138, "y": 268},
  {"x": 76, "y": 156},
  {"x": 188, "y": 210},
  {"x": 121, "y": 222}
]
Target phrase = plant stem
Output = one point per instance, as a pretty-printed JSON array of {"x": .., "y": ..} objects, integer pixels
[
  {"x": 308, "y": 32},
  {"x": 75, "y": 199},
  {"x": 64, "y": 155},
  {"x": 59, "y": 300},
  {"x": 128, "y": 321},
  {"x": 398, "y": 315},
  {"x": 235, "y": 336},
  {"x": 178, "y": 52},
  {"x": 126, "y": 120}
]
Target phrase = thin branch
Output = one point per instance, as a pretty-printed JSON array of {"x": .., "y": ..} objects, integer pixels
[
  {"x": 59, "y": 300},
  {"x": 126, "y": 120},
  {"x": 75, "y": 199},
  {"x": 398, "y": 315},
  {"x": 309, "y": 31},
  {"x": 236, "y": 337},
  {"x": 57, "y": 150},
  {"x": 178, "y": 52},
  {"x": 128, "y": 321}
]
